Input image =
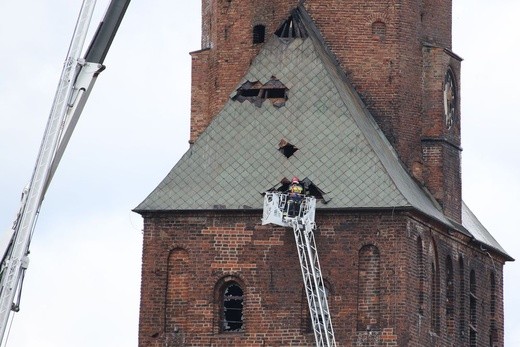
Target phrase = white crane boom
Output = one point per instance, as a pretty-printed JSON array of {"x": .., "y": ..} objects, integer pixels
[
  {"x": 76, "y": 82},
  {"x": 278, "y": 210}
]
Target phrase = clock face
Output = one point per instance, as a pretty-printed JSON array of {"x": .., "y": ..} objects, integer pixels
[{"x": 450, "y": 99}]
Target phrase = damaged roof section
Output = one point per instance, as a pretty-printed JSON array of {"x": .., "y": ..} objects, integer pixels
[
  {"x": 256, "y": 92},
  {"x": 286, "y": 148},
  {"x": 309, "y": 188},
  {"x": 292, "y": 28},
  {"x": 338, "y": 142}
]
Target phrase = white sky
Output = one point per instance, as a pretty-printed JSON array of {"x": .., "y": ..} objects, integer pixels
[{"x": 82, "y": 286}]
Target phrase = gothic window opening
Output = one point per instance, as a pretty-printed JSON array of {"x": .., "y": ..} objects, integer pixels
[
  {"x": 256, "y": 92},
  {"x": 286, "y": 148},
  {"x": 369, "y": 291},
  {"x": 493, "y": 292},
  {"x": 232, "y": 319},
  {"x": 258, "y": 33},
  {"x": 435, "y": 299},
  {"x": 472, "y": 309},
  {"x": 177, "y": 290},
  {"x": 450, "y": 295},
  {"x": 420, "y": 265},
  {"x": 462, "y": 299},
  {"x": 493, "y": 332}
]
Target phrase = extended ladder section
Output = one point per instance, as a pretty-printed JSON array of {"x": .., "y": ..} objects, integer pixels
[
  {"x": 76, "y": 82},
  {"x": 280, "y": 210},
  {"x": 15, "y": 257}
]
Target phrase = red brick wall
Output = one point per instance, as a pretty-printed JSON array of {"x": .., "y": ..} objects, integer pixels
[
  {"x": 453, "y": 300},
  {"x": 365, "y": 257}
]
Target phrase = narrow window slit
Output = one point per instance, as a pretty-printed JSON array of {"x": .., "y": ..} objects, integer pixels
[{"x": 258, "y": 34}]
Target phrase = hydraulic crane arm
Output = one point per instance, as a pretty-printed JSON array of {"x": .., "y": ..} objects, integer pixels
[
  {"x": 76, "y": 82},
  {"x": 278, "y": 210},
  {"x": 90, "y": 67}
]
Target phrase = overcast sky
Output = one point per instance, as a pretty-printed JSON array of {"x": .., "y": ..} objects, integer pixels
[{"x": 82, "y": 286}]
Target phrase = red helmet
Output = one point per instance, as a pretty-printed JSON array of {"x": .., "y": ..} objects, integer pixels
[{"x": 295, "y": 180}]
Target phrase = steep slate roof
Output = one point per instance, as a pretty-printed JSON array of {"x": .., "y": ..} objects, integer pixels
[{"x": 340, "y": 147}]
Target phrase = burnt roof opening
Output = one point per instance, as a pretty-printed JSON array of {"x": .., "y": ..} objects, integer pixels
[
  {"x": 247, "y": 93},
  {"x": 256, "y": 92},
  {"x": 309, "y": 188},
  {"x": 275, "y": 93},
  {"x": 291, "y": 28},
  {"x": 286, "y": 148}
]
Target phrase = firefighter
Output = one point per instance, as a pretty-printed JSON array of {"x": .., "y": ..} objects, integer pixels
[{"x": 295, "y": 197}]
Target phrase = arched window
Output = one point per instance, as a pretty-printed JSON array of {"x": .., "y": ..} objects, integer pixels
[
  {"x": 450, "y": 296},
  {"x": 231, "y": 309},
  {"x": 369, "y": 292},
  {"x": 177, "y": 293},
  {"x": 379, "y": 30},
  {"x": 434, "y": 294},
  {"x": 462, "y": 300},
  {"x": 258, "y": 33},
  {"x": 493, "y": 292},
  {"x": 493, "y": 332},
  {"x": 472, "y": 309},
  {"x": 420, "y": 273},
  {"x": 435, "y": 298}
]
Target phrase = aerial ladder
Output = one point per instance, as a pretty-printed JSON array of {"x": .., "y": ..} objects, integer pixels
[
  {"x": 279, "y": 209},
  {"x": 76, "y": 82}
]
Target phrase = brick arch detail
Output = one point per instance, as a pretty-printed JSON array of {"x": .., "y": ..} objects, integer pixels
[
  {"x": 369, "y": 289},
  {"x": 450, "y": 294},
  {"x": 435, "y": 300},
  {"x": 421, "y": 273},
  {"x": 377, "y": 17},
  {"x": 176, "y": 294}
]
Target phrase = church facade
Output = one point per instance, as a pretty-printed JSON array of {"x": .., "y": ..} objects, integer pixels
[{"x": 360, "y": 98}]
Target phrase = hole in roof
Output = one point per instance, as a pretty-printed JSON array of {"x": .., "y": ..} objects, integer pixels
[
  {"x": 256, "y": 92},
  {"x": 286, "y": 148},
  {"x": 275, "y": 93},
  {"x": 308, "y": 187},
  {"x": 291, "y": 28},
  {"x": 249, "y": 93}
]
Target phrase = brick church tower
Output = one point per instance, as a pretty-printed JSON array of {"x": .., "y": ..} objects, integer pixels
[{"x": 360, "y": 98}]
